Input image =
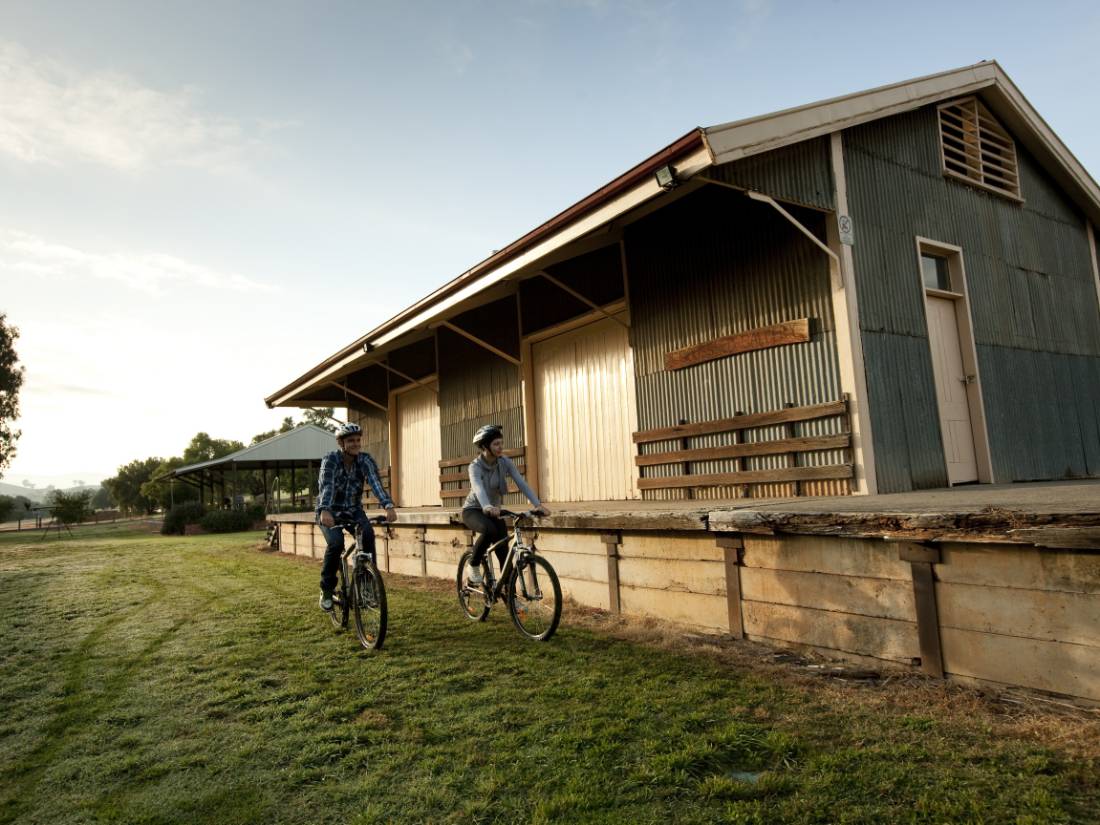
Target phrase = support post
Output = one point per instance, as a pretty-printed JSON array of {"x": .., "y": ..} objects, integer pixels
[
  {"x": 421, "y": 536},
  {"x": 611, "y": 543},
  {"x": 921, "y": 558},
  {"x": 733, "y": 548}
]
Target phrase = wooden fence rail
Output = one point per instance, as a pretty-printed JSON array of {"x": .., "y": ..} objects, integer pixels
[{"x": 790, "y": 446}]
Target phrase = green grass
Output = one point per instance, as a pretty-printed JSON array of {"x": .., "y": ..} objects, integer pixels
[{"x": 148, "y": 679}]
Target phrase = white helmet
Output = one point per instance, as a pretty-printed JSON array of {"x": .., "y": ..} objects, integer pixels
[{"x": 348, "y": 429}]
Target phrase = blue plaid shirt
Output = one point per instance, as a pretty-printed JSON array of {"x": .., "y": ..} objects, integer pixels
[{"x": 341, "y": 489}]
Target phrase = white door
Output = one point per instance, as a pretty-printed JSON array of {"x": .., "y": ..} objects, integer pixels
[
  {"x": 585, "y": 415},
  {"x": 418, "y": 448},
  {"x": 951, "y": 390}
]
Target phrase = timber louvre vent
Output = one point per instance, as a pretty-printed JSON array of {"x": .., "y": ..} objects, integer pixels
[{"x": 977, "y": 149}]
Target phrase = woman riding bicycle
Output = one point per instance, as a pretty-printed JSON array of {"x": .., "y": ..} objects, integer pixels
[{"x": 489, "y": 474}]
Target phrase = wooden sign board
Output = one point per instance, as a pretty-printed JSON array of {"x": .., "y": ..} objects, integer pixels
[{"x": 789, "y": 332}]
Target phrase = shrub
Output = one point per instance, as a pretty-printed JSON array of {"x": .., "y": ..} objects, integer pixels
[
  {"x": 226, "y": 521},
  {"x": 189, "y": 512}
]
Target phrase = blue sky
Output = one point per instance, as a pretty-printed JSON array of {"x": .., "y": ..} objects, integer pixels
[{"x": 199, "y": 201}]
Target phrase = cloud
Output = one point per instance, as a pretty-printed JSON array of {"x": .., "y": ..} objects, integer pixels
[
  {"x": 25, "y": 254},
  {"x": 52, "y": 114},
  {"x": 50, "y": 388}
]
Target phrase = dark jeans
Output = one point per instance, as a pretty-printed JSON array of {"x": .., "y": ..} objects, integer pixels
[
  {"x": 489, "y": 530},
  {"x": 334, "y": 537}
]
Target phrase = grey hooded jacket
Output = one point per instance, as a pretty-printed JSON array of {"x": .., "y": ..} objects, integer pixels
[{"x": 489, "y": 484}]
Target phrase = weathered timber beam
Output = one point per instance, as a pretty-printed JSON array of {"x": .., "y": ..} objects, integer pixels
[
  {"x": 756, "y": 448},
  {"x": 483, "y": 344},
  {"x": 780, "y": 474},
  {"x": 361, "y": 397},
  {"x": 742, "y": 422},
  {"x": 776, "y": 335}
]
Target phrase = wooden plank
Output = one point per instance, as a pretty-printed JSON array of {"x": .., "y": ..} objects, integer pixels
[
  {"x": 443, "y": 479},
  {"x": 695, "y": 609},
  {"x": 1062, "y": 538},
  {"x": 881, "y": 638},
  {"x": 928, "y": 623},
  {"x": 512, "y": 452},
  {"x": 462, "y": 492},
  {"x": 706, "y": 578},
  {"x": 1053, "y": 666},
  {"x": 1002, "y": 565},
  {"x": 733, "y": 590},
  {"x": 1010, "y": 611},
  {"x": 776, "y": 475},
  {"x": 863, "y": 558},
  {"x": 671, "y": 546},
  {"x": 909, "y": 551},
  {"x": 805, "y": 444},
  {"x": 876, "y": 598},
  {"x": 792, "y": 456},
  {"x": 612, "y": 548},
  {"x": 742, "y": 422}
]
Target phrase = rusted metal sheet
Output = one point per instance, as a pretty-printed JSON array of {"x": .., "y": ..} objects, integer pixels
[
  {"x": 1032, "y": 300},
  {"x": 714, "y": 264}
]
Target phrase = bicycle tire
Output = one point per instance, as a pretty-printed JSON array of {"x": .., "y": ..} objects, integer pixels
[
  {"x": 542, "y": 618},
  {"x": 368, "y": 601},
  {"x": 339, "y": 613},
  {"x": 474, "y": 604}
]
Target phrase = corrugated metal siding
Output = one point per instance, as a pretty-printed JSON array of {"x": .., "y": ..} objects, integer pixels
[
  {"x": 418, "y": 457},
  {"x": 376, "y": 433},
  {"x": 801, "y": 173},
  {"x": 1032, "y": 299},
  {"x": 713, "y": 264}
]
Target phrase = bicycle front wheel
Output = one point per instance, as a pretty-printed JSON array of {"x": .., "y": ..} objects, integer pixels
[
  {"x": 368, "y": 602},
  {"x": 534, "y": 598},
  {"x": 339, "y": 613}
]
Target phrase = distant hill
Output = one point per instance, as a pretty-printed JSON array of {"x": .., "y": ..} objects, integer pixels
[{"x": 38, "y": 493}]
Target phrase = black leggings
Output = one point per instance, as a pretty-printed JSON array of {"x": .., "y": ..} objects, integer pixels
[{"x": 490, "y": 530}]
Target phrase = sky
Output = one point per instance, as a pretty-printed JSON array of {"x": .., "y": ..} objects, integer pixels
[{"x": 199, "y": 201}]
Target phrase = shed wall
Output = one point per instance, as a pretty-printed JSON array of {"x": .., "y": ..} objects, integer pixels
[
  {"x": 713, "y": 264},
  {"x": 1032, "y": 297}
]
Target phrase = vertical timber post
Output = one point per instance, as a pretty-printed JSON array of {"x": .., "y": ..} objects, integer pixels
[
  {"x": 921, "y": 558},
  {"x": 421, "y": 536},
  {"x": 733, "y": 548},
  {"x": 611, "y": 543}
]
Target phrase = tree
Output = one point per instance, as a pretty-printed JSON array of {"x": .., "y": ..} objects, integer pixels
[
  {"x": 125, "y": 487},
  {"x": 164, "y": 492},
  {"x": 285, "y": 427},
  {"x": 11, "y": 380},
  {"x": 321, "y": 417},
  {"x": 205, "y": 448},
  {"x": 102, "y": 499},
  {"x": 71, "y": 508},
  {"x": 7, "y": 505}
]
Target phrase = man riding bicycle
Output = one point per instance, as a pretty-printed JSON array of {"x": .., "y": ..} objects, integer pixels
[
  {"x": 489, "y": 474},
  {"x": 340, "y": 490}
]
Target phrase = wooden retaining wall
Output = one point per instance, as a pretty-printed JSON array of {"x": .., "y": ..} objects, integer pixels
[{"x": 991, "y": 613}]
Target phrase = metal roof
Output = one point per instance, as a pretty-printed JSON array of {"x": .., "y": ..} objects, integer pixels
[
  {"x": 700, "y": 149},
  {"x": 297, "y": 447}
]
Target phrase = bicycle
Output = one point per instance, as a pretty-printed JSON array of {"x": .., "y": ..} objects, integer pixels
[
  {"x": 534, "y": 612},
  {"x": 365, "y": 596}
]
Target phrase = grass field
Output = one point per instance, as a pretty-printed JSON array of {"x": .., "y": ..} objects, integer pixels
[{"x": 146, "y": 679}]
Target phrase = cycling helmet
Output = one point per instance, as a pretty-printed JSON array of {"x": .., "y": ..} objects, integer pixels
[
  {"x": 348, "y": 429},
  {"x": 487, "y": 433}
]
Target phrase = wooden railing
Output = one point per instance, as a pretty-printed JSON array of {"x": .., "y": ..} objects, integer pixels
[
  {"x": 368, "y": 494},
  {"x": 791, "y": 446},
  {"x": 454, "y": 469}
]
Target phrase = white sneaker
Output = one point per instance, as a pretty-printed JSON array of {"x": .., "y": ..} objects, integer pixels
[
  {"x": 473, "y": 576},
  {"x": 325, "y": 602}
]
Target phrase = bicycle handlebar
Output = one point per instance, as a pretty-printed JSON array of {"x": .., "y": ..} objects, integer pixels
[{"x": 525, "y": 514}]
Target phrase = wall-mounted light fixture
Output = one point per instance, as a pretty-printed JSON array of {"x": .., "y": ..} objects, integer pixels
[{"x": 666, "y": 177}]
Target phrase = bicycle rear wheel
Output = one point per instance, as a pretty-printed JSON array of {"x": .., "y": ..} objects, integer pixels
[
  {"x": 534, "y": 598},
  {"x": 475, "y": 604},
  {"x": 368, "y": 602}
]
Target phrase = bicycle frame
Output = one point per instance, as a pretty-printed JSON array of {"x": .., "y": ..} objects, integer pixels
[{"x": 516, "y": 551}]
